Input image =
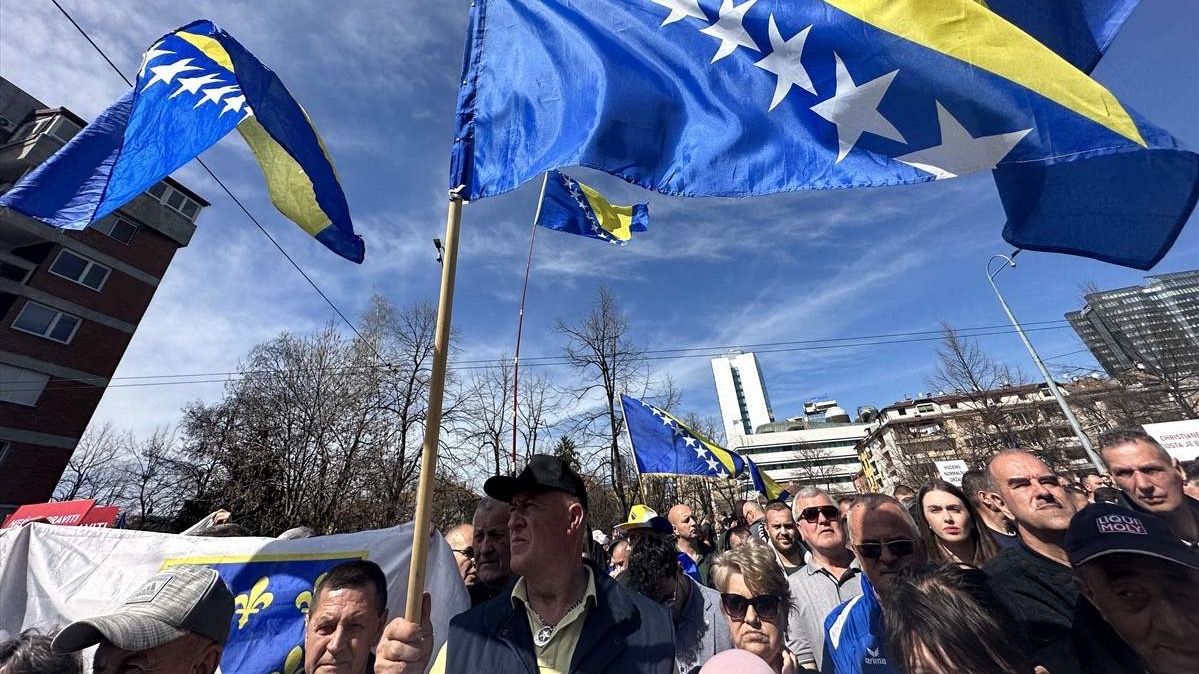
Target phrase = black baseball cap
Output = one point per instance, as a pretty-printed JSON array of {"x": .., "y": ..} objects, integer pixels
[
  {"x": 1102, "y": 529},
  {"x": 543, "y": 473}
]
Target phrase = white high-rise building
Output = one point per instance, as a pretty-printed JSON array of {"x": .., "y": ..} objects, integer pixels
[{"x": 741, "y": 392}]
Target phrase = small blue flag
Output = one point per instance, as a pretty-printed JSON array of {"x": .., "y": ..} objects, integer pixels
[
  {"x": 194, "y": 86},
  {"x": 764, "y": 484},
  {"x": 572, "y": 207},
  {"x": 663, "y": 445},
  {"x": 764, "y": 96}
]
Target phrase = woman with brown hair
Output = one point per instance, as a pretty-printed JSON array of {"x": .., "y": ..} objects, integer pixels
[
  {"x": 952, "y": 529},
  {"x": 755, "y": 600}
]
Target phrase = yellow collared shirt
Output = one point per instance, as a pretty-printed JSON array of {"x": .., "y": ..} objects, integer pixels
[{"x": 555, "y": 656}]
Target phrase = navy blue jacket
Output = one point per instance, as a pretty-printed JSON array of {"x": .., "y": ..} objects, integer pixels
[{"x": 624, "y": 632}]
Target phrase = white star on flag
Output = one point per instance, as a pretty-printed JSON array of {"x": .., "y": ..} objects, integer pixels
[
  {"x": 959, "y": 152},
  {"x": 215, "y": 94},
  {"x": 690, "y": 441},
  {"x": 666, "y": 421},
  {"x": 168, "y": 72},
  {"x": 712, "y": 465},
  {"x": 234, "y": 104},
  {"x": 784, "y": 62},
  {"x": 151, "y": 54},
  {"x": 854, "y": 109},
  {"x": 728, "y": 29},
  {"x": 700, "y": 451},
  {"x": 681, "y": 9},
  {"x": 192, "y": 84}
]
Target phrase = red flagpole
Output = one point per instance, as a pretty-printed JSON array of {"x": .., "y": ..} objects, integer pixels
[{"x": 520, "y": 319}]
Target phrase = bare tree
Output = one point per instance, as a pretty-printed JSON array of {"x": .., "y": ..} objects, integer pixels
[{"x": 95, "y": 468}]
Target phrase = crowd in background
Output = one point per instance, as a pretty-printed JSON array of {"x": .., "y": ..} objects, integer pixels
[{"x": 1014, "y": 572}]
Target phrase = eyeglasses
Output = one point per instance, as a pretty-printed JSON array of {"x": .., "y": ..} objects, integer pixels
[
  {"x": 900, "y": 548},
  {"x": 467, "y": 552},
  {"x": 813, "y": 513},
  {"x": 765, "y": 605}
]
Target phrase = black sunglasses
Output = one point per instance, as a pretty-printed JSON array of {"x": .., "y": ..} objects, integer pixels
[
  {"x": 900, "y": 548},
  {"x": 765, "y": 605},
  {"x": 813, "y": 513},
  {"x": 468, "y": 552}
]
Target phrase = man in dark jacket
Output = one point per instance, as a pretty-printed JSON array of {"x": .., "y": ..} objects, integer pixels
[{"x": 560, "y": 616}]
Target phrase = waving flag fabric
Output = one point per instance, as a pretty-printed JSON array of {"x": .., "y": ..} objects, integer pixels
[
  {"x": 662, "y": 444},
  {"x": 193, "y": 87},
  {"x": 572, "y": 207},
  {"x": 764, "y": 484},
  {"x": 1077, "y": 30},
  {"x": 760, "y": 96}
]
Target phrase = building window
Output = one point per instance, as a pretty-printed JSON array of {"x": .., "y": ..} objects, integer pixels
[
  {"x": 118, "y": 228},
  {"x": 80, "y": 270},
  {"x": 4, "y": 448},
  {"x": 55, "y": 126},
  {"x": 175, "y": 200},
  {"x": 21, "y": 386},
  {"x": 926, "y": 407},
  {"x": 14, "y": 272},
  {"x": 41, "y": 320}
]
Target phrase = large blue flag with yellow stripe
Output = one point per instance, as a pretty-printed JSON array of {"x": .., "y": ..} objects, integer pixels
[
  {"x": 568, "y": 205},
  {"x": 194, "y": 86},
  {"x": 728, "y": 98},
  {"x": 663, "y": 444}
]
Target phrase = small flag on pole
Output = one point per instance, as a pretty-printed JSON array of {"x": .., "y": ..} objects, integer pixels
[
  {"x": 572, "y": 207},
  {"x": 764, "y": 484}
]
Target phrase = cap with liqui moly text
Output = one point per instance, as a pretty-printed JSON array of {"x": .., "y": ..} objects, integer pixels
[{"x": 1102, "y": 529}]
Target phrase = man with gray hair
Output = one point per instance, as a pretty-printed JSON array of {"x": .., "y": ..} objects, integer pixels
[
  {"x": 1152, "y": 480},
  {"x": 30, "y": 653},
  {"x": 493, "y": 571},
  {"x": 885, "y": 539},
  {"x": 828, "y": 577},
  {"x": 1034, "y": 578},
  {"x": 176, "y": 623}
]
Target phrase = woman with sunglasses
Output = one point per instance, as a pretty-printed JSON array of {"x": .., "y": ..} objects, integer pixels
[
  {"x": 755, "y": 601},
  {"x": 951, "y": 526}
]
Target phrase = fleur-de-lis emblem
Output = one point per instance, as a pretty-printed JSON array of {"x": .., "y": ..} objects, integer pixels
[
  {"x": 304, "y": 599},
  {"x": 257, "y": 600},
  {"x": 294, "y": 664}
]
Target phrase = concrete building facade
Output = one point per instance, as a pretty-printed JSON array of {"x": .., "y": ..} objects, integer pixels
[
  {"x": 70, "y": 301},
  {"x": 741, "y": 394}
]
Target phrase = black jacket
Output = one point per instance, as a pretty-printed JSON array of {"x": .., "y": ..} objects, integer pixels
[{"x": 624, "y": 632}]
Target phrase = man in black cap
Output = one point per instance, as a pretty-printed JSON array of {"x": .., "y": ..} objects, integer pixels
[
  {"x": 1145, "y": 583},
  {"x": 177, "y": 623},
  {"x": 560, "y": 616}
]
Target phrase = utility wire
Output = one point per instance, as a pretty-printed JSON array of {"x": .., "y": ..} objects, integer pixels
[
  {"x": 231, "y": 195},
  {"x": 233, "y": 377}
]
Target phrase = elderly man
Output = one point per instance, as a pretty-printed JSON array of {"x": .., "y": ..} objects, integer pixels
[
  {"x": 1151, "y": 479},
  {"x": 493, "y": 572},
  {"x": 559, "y": 616},
  {"x": 828, "y": 577},
  {"x": 459, "y": 537},
  {"x": 1141, "y": 581},
  {"x": 784, "y": 537},
  {"x": 753, "y": 517},
  {"x": 346, "y": 619},
  {"x": 1034, "y": 579},
  {"x": 977, "y": 487},
  {"x": 699, "y": 630},
  {"x": 687, "y": 538},
  {"x": 885, "y": 539},
  {"x": 176, "y": 623}
]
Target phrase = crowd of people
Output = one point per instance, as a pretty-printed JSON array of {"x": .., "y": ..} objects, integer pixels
[{"x": 1014, "y": 572}]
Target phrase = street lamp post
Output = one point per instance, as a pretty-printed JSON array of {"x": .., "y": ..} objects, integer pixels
[{"x": 1061, "y": 400}]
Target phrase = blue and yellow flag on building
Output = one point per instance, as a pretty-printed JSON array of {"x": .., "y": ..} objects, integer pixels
[
  {"x": 194, "y": 86},
  {"x": 664, "y": 445},
  {"x": 572, "y": 207},
  {"x": 728, "y": 98}
]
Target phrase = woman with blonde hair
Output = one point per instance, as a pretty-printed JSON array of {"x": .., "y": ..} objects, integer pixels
[
  {"x": 755, "y": 600},
  {"x": 952, "y": 528}
]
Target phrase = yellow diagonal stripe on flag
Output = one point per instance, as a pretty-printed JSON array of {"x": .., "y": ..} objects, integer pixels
[
  {"x": 969, "y": 32},
  {"x": 616, "y": 220}
]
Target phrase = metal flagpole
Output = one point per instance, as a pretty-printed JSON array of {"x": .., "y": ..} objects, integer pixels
[
  {"x": 428, "y": 463},
  {"x": 1061, "y": 400},
  {"x": 520, "y": 319}
]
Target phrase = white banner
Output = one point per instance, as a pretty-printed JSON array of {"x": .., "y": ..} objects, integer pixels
[
  {"x": 1179, "y": 438},
  {"x": 51, "y": 575},
  {"x": 952, "y": 471}
]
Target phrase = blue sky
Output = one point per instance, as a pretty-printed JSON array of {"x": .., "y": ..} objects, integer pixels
[{"x": 380, "y": 79}]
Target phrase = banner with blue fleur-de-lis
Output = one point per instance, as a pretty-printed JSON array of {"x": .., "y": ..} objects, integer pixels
[
  {"x": 50, "y": 576},
  {"x": 271, "y": 598}
]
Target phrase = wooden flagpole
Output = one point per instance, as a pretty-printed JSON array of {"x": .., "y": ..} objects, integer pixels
[
  {"x": 428, "y": 463},
  {"x": 520, "y": 319}
]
